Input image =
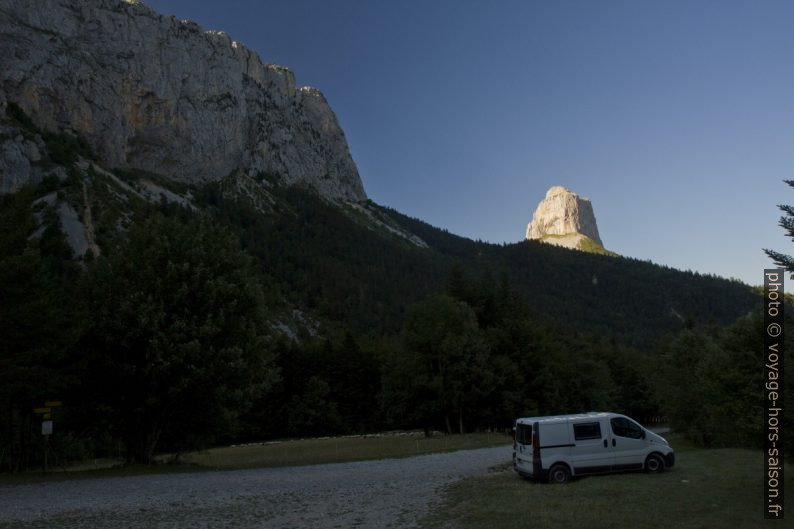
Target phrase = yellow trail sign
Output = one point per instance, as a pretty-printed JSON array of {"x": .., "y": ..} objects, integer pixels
[{"x": 42, "y": 410}]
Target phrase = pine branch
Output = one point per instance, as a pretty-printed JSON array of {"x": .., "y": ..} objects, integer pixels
[
  {"x": 783, "y": 260},
  {"x": 789, "y": 210},
  {"x": 787, "y": 223}
]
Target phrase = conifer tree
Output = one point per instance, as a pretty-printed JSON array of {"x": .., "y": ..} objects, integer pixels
[{"x": 787, "y": 223}]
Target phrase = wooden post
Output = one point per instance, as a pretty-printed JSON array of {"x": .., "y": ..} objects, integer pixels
[{"x": 46, "y": 426}]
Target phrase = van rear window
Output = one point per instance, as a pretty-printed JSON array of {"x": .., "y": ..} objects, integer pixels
[
  {"x": 524, "y": 434},
  {"x": 587, "y": 430}
]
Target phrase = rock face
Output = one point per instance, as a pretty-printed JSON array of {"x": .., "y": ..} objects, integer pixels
[
  {"x": 561, "y": 216},
  {"x": 18, "y": 157},
  {"x": 156, "y": 93}
]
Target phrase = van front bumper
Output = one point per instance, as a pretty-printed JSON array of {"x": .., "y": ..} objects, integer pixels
[{"x": 669, "y": 460}]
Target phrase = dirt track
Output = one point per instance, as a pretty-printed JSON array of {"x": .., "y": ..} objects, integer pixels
[{"x": 384, "y": 493}]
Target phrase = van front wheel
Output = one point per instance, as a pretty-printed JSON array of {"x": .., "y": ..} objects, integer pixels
[
  {"x": 654, "y": 463},
  {"x": 559, "y": 474}
]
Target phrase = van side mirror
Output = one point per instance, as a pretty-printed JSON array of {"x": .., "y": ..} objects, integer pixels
[{"x": 643, "y": 433}]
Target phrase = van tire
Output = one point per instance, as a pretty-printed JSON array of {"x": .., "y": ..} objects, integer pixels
[
  {"x": 654, "y": 463},
  {"x": 559, "y": 474}
]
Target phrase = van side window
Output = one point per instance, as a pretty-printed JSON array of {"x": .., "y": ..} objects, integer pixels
[
  {"x": 524, "y": 434},
  {"x": 625, "y": 428},
  {"x": 589, "y": 430}
]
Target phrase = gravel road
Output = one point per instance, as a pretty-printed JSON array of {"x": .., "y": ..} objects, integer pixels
[{"x": 383, "y": 493}]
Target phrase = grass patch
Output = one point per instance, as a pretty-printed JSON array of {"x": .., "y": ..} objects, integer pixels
[
  {"x": 589, "y": 245},
  {"x": 339, "y": 449},
  {"x": 275, "y": 454},
  {"x": 706, "y": 489},
  {"x": 585, "y": 243}
]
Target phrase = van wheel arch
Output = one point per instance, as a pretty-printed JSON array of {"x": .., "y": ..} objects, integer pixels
[
  {"x": 559, "y": 473},
  {"x": 654, "y": 463}
]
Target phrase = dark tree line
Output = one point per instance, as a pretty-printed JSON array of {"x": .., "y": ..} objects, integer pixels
[
  {"x": 177, "y": 344},
  {"x": 38, "y": 324},
  {"x": 161, "y": 340},
  {"x": 711, "y": 383},
  {"x": 174, "y": 337}
]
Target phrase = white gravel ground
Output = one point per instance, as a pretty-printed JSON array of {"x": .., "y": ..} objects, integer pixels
[{"x": 384, "y": 493}]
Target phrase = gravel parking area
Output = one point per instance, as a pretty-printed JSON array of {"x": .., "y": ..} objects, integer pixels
[{"x": 383, "y": 493}]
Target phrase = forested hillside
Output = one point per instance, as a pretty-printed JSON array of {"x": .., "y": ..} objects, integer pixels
[
  {"x": 249, "y": 309},
  {"x": 631, "y": 300}
]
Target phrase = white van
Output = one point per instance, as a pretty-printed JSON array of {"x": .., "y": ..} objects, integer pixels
[{"x": 558, "y": 447}]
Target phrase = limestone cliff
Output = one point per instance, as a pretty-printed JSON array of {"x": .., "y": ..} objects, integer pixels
[
  {"x": 159, "y": 94},
  {"x": 564, "y": 218}
]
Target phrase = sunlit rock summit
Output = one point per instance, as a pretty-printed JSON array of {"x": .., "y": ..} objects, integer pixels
[{"x": 565, "y": 219}]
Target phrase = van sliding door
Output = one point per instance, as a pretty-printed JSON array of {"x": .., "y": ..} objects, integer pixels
[{"x": 591, "y": 452}]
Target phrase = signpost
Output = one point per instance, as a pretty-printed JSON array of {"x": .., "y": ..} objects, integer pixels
[{"x": 46, "y": 424}]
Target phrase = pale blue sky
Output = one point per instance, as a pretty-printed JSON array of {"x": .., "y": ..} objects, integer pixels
[{"x": 675, "y": 118}]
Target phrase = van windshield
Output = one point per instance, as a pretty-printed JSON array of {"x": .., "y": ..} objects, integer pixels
[{"x": 524, "y": 434}]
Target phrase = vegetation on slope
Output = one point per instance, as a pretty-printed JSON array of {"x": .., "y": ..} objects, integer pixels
[{"x": 252, "y": 317}]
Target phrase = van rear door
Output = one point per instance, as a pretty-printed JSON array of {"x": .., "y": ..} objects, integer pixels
[{"x": 522, "y": 453}]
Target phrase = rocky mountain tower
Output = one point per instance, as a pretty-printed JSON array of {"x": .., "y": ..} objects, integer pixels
[{"x": 564, "y": 218}]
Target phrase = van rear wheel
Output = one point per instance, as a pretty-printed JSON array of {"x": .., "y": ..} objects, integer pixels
[
  {"x": 654, "y": 463},
  {"x": 559, "y": 474}
]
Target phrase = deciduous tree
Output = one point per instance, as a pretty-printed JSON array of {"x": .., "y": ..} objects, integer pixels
[{"x": 179, "y": 334}]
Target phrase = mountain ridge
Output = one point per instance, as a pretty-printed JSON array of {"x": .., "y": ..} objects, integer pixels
[
  {"x": 87, "y": 188},
  {"x": 154, "y": 93}
]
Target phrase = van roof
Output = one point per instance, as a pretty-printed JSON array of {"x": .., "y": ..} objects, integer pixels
[{"x": 563, "y": 418}]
